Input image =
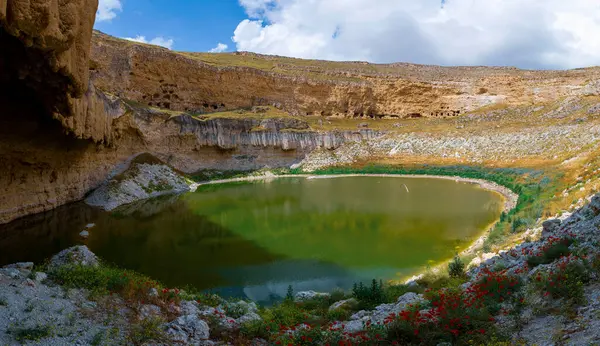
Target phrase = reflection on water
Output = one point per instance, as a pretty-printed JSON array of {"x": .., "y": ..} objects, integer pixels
[{"x": 254, "y": 239}]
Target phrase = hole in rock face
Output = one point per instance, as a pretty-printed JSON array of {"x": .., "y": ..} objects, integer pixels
[{"x": 27, "y": 68}]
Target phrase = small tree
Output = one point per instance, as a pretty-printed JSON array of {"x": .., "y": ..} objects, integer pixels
[
  {"x": 456, "y": 268},
  {"x": 290, "y": 294}
]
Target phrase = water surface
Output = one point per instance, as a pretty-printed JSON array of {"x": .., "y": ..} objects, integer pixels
[{"x": 253, "y": 239}]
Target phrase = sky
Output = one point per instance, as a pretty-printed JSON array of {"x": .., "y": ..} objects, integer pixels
[{"x": 537, "y": 34}]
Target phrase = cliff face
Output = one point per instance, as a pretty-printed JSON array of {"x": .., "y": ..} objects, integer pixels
[
  {"x": 204, "y": 83},
  {"x": 68, "y": 122},
  {"x": 45, "y": 47}
]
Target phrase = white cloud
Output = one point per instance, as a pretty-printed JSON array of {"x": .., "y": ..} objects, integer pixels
[
  {"x": 220, "y": 48},
  {"x": 107, "y": 9},
  {"x": 523, "y": 33},
  {"x": 255, "y": 8},
  {"x": 158, "y": 41}
]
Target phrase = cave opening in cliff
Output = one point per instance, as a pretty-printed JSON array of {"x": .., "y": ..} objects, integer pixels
[{"x": 29, "y": 87}]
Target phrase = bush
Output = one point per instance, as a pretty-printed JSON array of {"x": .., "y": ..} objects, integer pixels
[
  {"x": 566, "y": 281},
  {"x": 103, "y": 280},
  {"x": 455, "y": 317},
  {"x": 150, "y": 329},
  {"x": 23, "y": 334},
  {"x": 369, "y": 297},
  {"x": 456, "y": 268},
  {"x": 554, "y": 250}
]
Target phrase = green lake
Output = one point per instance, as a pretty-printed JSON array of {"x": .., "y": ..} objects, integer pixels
[{"x": 253, "y": 239}]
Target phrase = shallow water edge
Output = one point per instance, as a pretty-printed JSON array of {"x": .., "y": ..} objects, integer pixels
[{"x": 510, "y": 198}]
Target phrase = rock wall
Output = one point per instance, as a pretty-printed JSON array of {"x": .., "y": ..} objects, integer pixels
[
  {"x": 44, "y": 168},
  {"x": 61, "y": 137},
  {"x": 64, "y": 130},
  {"x": 204, "y": 83},
  {"x": 46, "y": 47}
]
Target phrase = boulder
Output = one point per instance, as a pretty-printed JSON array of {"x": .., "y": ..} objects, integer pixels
[
  {"x": 188, "y": 329},
  {"x": 309, "y": 295},
  {"x": 595, "y": 204},
  {"x": 20, "y": 266},
  {"x": 344, "y": 304},
  {"x": 189, "y": 307},
  {"x": 146, "y": 177},
  {"x": 40, "y": 276},
  {"x": 409, "y": 298},
  {"x": 76, "y": 255},
  {"x": 549, "y": 227},
  {"x": 249, "y": 317},
  {"x": 381, "y": 312},
  {"x": 153, "y": 292},
  {"x": 12, "y": 273}
]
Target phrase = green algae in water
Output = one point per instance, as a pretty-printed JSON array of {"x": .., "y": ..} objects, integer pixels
[{"x": 253, "y": 239}]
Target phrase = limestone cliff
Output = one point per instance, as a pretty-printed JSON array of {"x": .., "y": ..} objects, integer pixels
[
  {"x": 45, "y": 47},
  {"x": 203, "y": 83},
  {"x": 62, "y": 137}
]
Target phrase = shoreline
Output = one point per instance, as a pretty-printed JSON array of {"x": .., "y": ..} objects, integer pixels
[
  {"x": 510, "y": 197},
  {"x": 510, "y": 200}
]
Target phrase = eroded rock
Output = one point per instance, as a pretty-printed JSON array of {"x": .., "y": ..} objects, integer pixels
[
  {"x": 189, "y": 329},
  {"x": 76, "y": 255},
  {"x": 147, "y": 177}
]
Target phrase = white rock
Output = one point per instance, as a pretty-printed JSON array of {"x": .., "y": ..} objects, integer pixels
[
  {"x": 188, "y": 329},
  {"x": 20, "y": 265},
  {"x": 40, "y": 276},
  {"x": 77, "y": 255},
  {"x": 308, "y": 295},
  {"x": 343, "y": 304},
  {"x": 153, "y": 292},
  {"x": 84, "y": 234},
  {"x": 249, "y": 317}
]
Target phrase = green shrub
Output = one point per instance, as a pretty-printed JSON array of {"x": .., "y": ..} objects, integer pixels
[
  {"x": 36, "y": 333},
  {"x": 103, "y": 279},
  {"x": 235, "y": 310},
  {"x": 566, "y": 281},
  {"x": 456, "y": 268},
  {"x": 552, "y": 252},
  {"x": 255, "y": 329},
  {"x": 150, "y": 329},
  {"x": 369, "y": 297}
]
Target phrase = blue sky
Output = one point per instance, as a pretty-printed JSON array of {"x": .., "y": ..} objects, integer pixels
[
  {"x": 537, "y": 34},
  {"x": 193, "y": 25}
]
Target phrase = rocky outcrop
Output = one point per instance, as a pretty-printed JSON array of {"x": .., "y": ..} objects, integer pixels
[
  {"x": 77, "y": 255},
  {"x": 145, "y": 178},
  {"x": 46, "y": 47}
]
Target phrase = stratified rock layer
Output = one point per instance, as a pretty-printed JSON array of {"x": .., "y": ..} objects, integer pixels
[{"x": 204, "y": 83}]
